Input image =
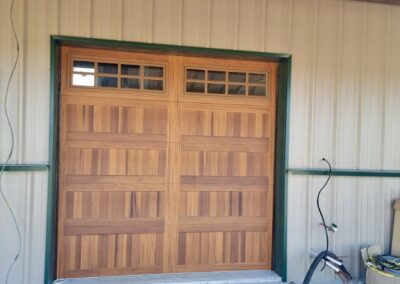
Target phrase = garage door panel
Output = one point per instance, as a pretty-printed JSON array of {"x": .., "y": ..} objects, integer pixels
[
  {"x": 118, "y": 204},
  {"x": 111, "y": 161},
  {"x": 230, "y": 248},
  {"x": 223, "y": 204},
  {"x": 224, "y": 144},
  {"x": 117, "y": 119},
  {"x": 225, "y": 215},
  {"x": 225, "y": 123},
  {"x": 103, "y": 254},
  {"x": 171, "y": 179},
  {"x": 207, "y": 163}
]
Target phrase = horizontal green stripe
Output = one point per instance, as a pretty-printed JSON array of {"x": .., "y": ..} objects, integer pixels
[
  {"x": 165, "y": 48},
  {"x": 345, "y": 172},
  {"x": 25, "y": 167}
]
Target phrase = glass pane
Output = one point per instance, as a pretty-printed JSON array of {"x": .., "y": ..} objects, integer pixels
[
  {"x": 130, "y": 69},
  {"x": 153, "y": 71},
  {"x": 107, "y": 68},
  {"x": 257, "y": 78},
  {"x": 237, "y": 77},
  {"x": 216, "y": 76},
  {"x": 195, "y": 74},
  {"x": 195, "y": 87},
  {"x": 83, "y": 80},
  {"x": 83, "y": 66},
  {"x": 130, "y": 83},
  {"x": 216, "y": 88},
  {"x": 236, "y": 90},
  {"x": 107, "y": 82},
  {"x": 256, "y": 91},
  {"x": 153, "y": 85}
]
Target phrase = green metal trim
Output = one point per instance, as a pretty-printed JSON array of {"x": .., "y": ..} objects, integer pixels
[
  {"x": 50, "y": 253},
  {"x": 279, "y": 262},
  {"x": 346, "y": 172},
  {"x": 25, "y": 167},
  {"x": 164, "y": 48}
]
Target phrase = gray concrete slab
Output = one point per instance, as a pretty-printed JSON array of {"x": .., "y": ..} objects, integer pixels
[{"x": 222, "y": 277}]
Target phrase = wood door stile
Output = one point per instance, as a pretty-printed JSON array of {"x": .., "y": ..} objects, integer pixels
[
  {"x": 165, "y": 163},
  {"x": 173, "y": 171}
]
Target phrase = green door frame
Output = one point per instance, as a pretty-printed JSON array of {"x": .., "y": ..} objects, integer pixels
[{"x": 282, "y": 134}]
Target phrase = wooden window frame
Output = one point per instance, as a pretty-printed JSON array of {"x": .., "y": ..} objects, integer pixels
[{"x": 118, "y": 75}]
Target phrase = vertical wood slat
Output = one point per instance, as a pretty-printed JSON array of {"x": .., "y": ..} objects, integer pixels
[{"x": 173, "y": 171}]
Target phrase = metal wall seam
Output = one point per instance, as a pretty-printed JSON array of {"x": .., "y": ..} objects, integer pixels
[
  {"x": 345, "y": 172},
  {"x": 25, "y": 167}
]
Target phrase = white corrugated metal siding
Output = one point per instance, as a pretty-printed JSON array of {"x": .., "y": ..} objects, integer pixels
[{"x": 345, "y": 103}]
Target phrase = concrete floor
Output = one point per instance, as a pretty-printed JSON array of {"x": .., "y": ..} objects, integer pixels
[{"x": 224, "y": 277}]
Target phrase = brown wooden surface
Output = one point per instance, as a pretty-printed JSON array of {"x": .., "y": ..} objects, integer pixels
[{"x": 154, "y": 182}]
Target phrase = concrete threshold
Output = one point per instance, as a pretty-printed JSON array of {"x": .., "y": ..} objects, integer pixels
[{"x": 221, "y": 277}]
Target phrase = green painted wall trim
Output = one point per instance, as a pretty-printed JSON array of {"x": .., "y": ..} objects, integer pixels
[
  {"x": 50, "y": 253},
  {"x": 279, "y": 262},
  {"x": 165, "y": 48},
  {"x": 25, "y": 167},
  {"x": 346, "y": 172}
]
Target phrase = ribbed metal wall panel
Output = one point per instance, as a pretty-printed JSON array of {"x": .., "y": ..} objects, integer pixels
[{"x": 345, "y": 103}]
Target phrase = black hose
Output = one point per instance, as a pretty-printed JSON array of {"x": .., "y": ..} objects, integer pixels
[
  {"x": 320, "y": 211},
  {"x": 343, "y": 273},
  {"x": 317, "y": 260}
]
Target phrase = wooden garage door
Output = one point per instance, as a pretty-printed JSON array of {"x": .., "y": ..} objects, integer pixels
[{"x": 166, "y": 163}]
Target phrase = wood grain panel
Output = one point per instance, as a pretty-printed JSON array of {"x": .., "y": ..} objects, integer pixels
[
  {"x": 219, "y": 267},
  {"x": 168, "y": 181},
  {"x": 224, "y": 144},
  {"x": 224, "y": 164},
  {"x": 107, "y": 204},
  {"x": 224, "y": 180},
  {"x": 107, "y": 179},
  {"x": 226, "y": 123},
  {"x": 112, "y": 225},
  {"x": 112, "y": 254},
  {"x": 226, "y": 199},
  {"x": 110, "y": 187},
  {"x": 232, "y": 187},
  {"x": 115, "y": 161},
  {"x": 207, "y": 248},
  {"x": 223, "y": 203},
  {"x": 116, "y": 118},
  {"x": 105, "y": 140}
]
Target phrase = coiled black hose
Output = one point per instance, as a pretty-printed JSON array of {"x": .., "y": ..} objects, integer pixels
[
  {"x": 320, "y": 211},
  {"x": 321, "y": 256}
]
